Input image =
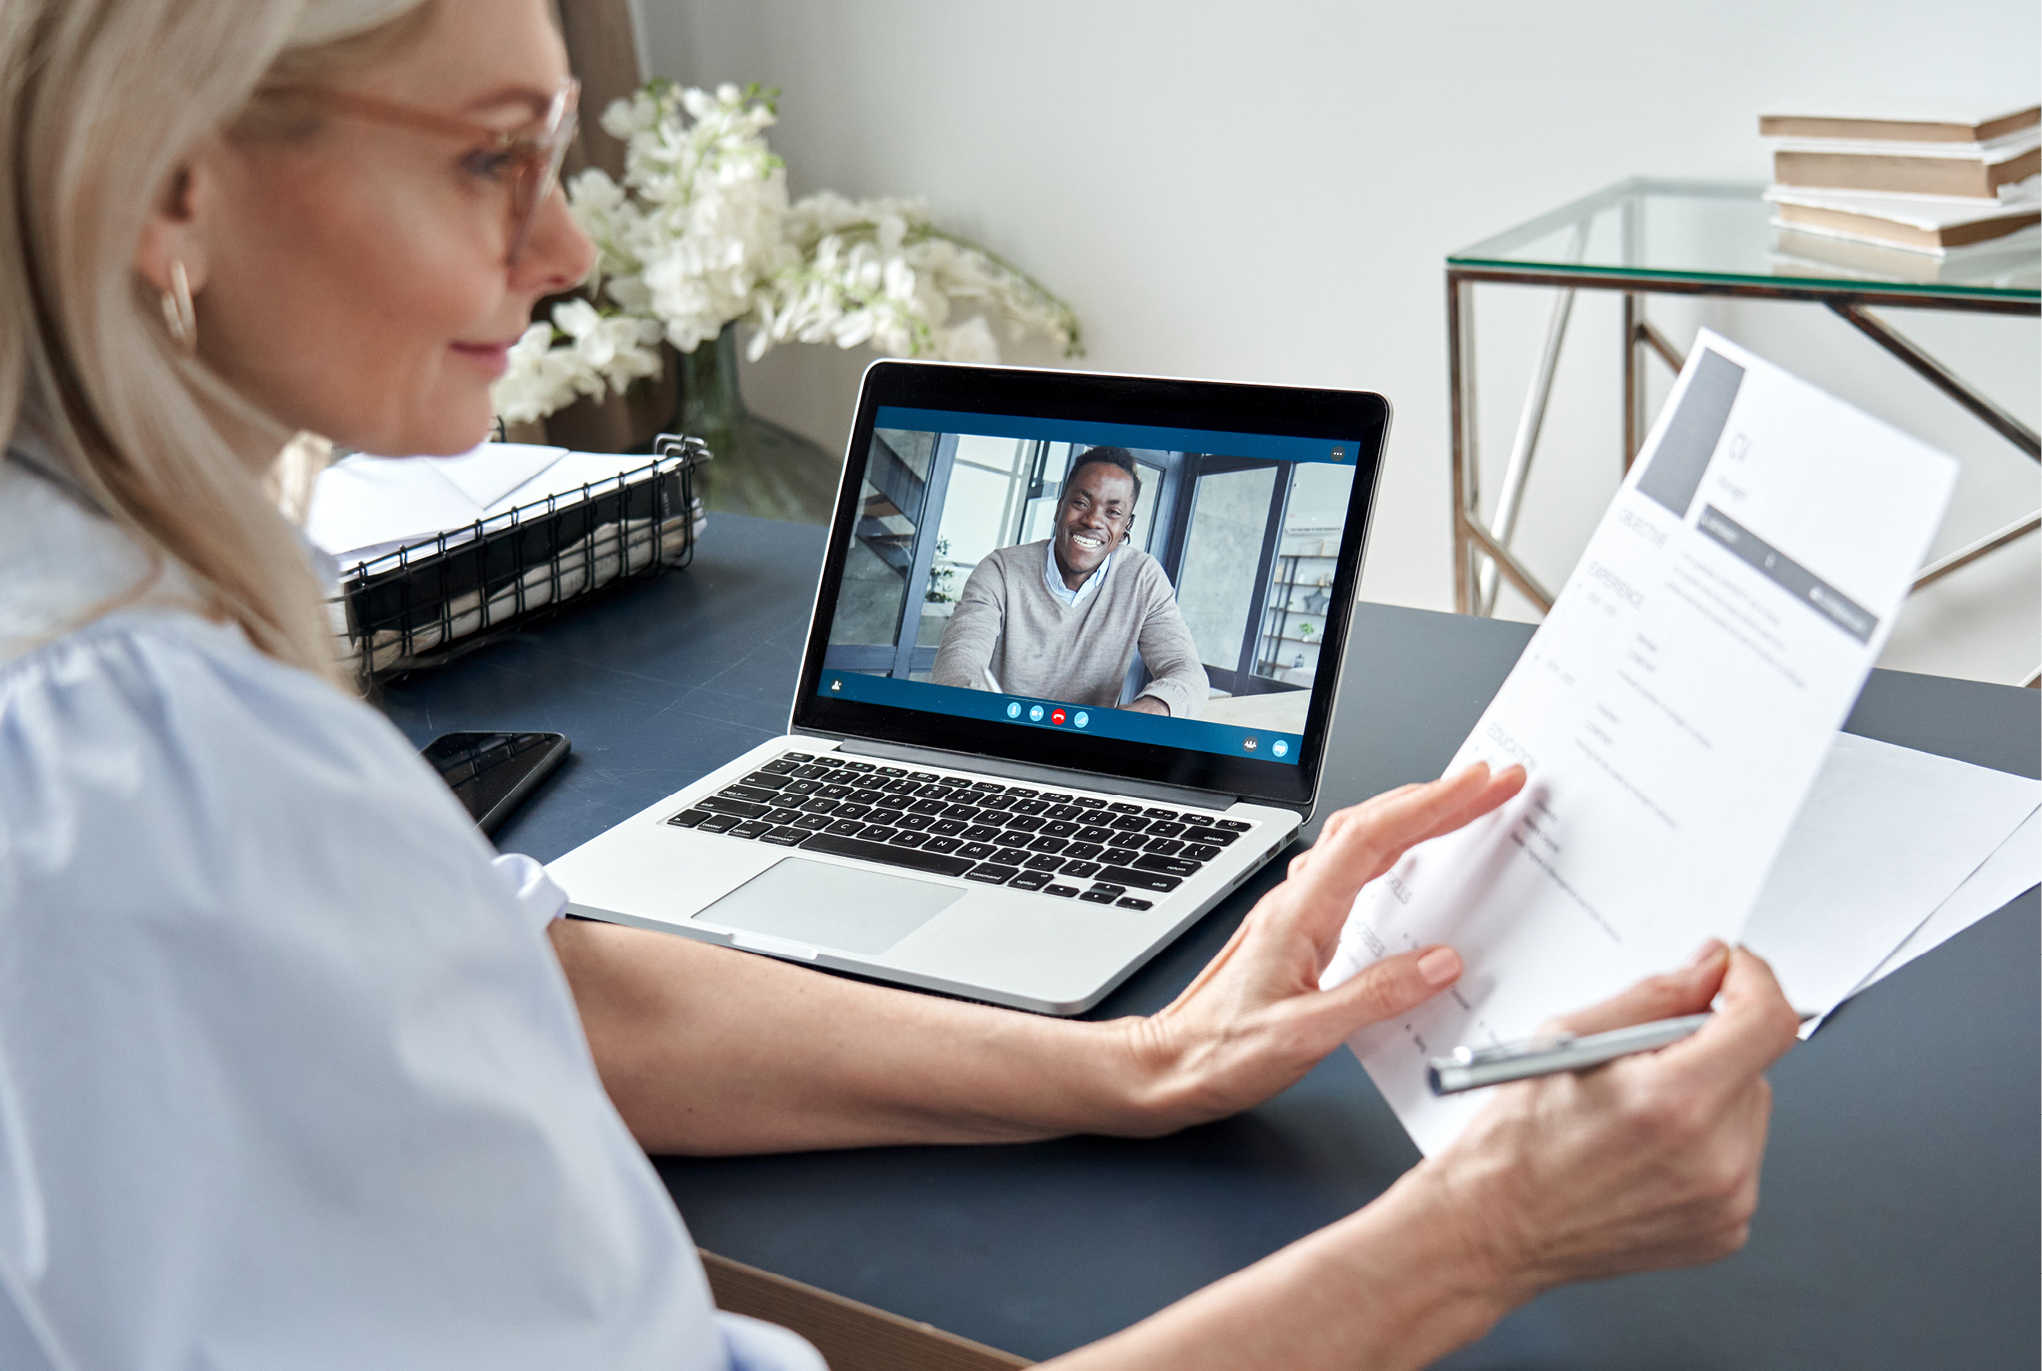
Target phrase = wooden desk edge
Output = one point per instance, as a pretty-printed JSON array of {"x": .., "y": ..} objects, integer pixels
[{"x": 851, "y": 1336}]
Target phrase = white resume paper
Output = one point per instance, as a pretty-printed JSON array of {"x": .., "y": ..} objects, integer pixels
[{"x": 1672, "y": 711}]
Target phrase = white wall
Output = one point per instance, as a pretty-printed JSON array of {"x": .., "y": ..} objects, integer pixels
[{"x": 1266, "y": 193}]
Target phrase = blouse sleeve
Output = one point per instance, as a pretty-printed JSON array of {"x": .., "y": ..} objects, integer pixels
[{"x": 289, "y": 1075}]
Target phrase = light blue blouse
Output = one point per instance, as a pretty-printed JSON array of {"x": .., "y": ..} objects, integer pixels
[{"x": 289, "y": 1075}]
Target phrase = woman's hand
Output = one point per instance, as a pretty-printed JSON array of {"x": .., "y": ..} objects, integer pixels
[
  {"x": 1651, "y": 1161},
  {"x": 1255, "y": 1020}
]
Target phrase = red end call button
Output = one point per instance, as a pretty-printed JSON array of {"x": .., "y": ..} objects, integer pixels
[{"x": 1056, "y": 716}]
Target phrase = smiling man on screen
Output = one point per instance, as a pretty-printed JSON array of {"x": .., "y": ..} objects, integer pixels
[{"x": 1063, "y": 619}]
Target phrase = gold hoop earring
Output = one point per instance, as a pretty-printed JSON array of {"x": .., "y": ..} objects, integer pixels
[{"x": 178, "y": 314}]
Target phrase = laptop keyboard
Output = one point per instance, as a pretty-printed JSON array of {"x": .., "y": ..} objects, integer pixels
[{"x": 1071, "y": 846}]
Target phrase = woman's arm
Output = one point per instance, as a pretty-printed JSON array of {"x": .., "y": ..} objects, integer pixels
[
  {"x": 1647, "y": 1163},
  {"x": 707, "y": 1050}
]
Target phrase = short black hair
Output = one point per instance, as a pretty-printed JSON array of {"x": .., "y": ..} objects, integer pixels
[{"x": 1117, "y": 457}]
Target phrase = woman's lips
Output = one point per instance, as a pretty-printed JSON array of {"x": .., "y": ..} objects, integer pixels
[{"x": 493, "y": 358}]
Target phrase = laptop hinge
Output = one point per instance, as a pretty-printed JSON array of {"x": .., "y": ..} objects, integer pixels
[{"x": 1047, "y": 775}]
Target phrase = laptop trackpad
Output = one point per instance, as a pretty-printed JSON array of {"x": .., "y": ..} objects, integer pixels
[{"x": 842, "y": 907}]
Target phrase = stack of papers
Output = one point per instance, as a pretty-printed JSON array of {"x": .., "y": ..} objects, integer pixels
[
  {"x": 364, "y": 507},
  {"x": 1677, "y": 714}
]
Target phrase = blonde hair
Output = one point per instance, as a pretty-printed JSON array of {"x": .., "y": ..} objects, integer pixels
[{"x": 100, "y": 100}]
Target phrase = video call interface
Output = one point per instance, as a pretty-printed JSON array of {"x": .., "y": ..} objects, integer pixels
[{"x": 1167, "y": 586}]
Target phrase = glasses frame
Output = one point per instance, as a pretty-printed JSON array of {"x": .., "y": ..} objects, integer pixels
[{"x": 537, "y": 156}]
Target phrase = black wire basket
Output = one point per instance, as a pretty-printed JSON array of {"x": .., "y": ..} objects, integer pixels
[{"x": 430, "y": 601}]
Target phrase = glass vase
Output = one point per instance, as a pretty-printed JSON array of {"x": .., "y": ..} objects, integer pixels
[{"x": 757, "y": 466}]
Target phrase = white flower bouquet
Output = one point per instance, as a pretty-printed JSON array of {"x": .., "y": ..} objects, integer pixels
[{"x": 701, "y": 234}]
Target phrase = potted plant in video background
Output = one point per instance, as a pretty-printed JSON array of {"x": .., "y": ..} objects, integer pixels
[{"x": 700, "y": 237}]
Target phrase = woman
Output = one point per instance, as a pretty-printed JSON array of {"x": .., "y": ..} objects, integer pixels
[{"x": 289, "y": 1073}]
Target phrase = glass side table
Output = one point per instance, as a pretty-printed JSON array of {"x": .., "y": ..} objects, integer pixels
[{"x": 1651, "y": 237}]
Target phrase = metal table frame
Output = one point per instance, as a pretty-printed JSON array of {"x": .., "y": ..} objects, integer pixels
[{"x": 1482, "y": 551}]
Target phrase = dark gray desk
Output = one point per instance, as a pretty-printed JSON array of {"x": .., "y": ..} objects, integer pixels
[{"x": 1899, "y": 1225}]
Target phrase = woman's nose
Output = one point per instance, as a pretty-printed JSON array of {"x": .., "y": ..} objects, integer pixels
[{"x": 558, "y": 256}]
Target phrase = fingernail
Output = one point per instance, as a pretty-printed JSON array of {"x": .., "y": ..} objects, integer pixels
[
  {"x": 1439, "y": 966},
  {"x": 1710, "y": 951}
]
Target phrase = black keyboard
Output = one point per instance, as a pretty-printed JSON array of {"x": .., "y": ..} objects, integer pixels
[{"x": 1068, "y": 847}]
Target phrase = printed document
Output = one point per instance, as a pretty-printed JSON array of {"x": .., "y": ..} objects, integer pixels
[{"x": 1672, "y": 711}]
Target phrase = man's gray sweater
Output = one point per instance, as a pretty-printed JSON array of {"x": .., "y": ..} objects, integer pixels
[{"x": 1007, "y": 623}]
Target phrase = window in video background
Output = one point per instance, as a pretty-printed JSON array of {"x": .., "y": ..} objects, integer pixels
[{"x": 1249, "y": 544}]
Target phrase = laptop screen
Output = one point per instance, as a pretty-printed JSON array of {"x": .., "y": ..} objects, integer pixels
[{"x": 1152, "y": 589}]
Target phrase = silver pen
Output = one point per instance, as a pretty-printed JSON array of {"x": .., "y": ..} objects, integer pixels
[{"x": 1471, "y": 1068}]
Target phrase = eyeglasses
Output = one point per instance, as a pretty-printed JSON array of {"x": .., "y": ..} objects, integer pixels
[{"x": 532, "y": 154}]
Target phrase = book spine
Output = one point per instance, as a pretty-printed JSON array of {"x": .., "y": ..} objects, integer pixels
[{"x": 1909, "y": 175}]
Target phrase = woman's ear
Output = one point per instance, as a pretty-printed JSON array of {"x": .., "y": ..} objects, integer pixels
[{"x": 174, "y": 232}]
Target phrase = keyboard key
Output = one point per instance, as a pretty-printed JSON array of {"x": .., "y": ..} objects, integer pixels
[
  {"x": 764, "y": 780},
  {"x": 1200, "y": 852},
  {"x": 1131, "y": 823},
  {"x": 1219, "y": 837},
  {"x": 1060, "y": 828},
  {"x": 1169, "y": 866},
  {"x": 1119, "y": 807},
  {"x": 1051, "y": 797},
  {"x": 1167, "y": 815},
  {"x": 1233, "y": 825},
  {"x": 845, "y": 828},
  {"x": 1157, "y": 881},
  {"x": 752, "y": 794},
  {"x": 815, "y": 821},
  {"x": 1081, "y": 869},
  {"x": 1097, "y": 896},
  {"x": 1011, "y": 856},
  {"x": 1083, "y": 852},
  {"x": 891, "y": 771},
  {"x": 1167, "y": 830},
  {"x": 811, "y": 772},
  {"x": 1021, "y": 823},
  {"x": 918, "y": 823},
  {"x": 1092, "y": 833},
  {"x": 834, "y": 792},
  {"x": 1020, "y": 794},
  {"x": 784, "y": 837},
  {"x": 907, "y": 837},
  {"x": 753, "y": 829},
  {"x": 1029, "y": 806},
  {"x": 1043, "y": 861},
  {"x": 931, "y": 807},
  {"x": 818, "y": 805},
  {"x": 985, "y": 801},
  {"x": 797, "y": 756},
  {"x": 880, "y": 833},
  {"x": 944, "y": 792},
  {"x": 858, "y": 766},
  {"x": 1109, "y": 888},
  {"x": 978, "y": 852},
  {"x": 980, "y": 833},
  {"x": 1045, "y": 843},
  {"x": 965, "y": 812},
  {"x": 1118, "y": 856},
  {"x": 864, "y": 795},
  {"x": 1029, "y": 880},
  {"x": 948, "y": 827},
  {"x": 851, "y": 811},
  {"x": 940, "y": 844},
  {"x": 988, "y": 788},
  {"x": 780, "y": 766},
  {"x": 801, "y": 788},
  {"x": 916, "y": 859},
  {"x": 1130, "y": 902},
  {"x": 743, "y": 809},
  {"x": 717, "y": 823},
  {"x": 1095, "y": 817},
  {"x": 841, "y": 776},
  {"x": 1063, "y": 811},
  {"x": 1168, "y": 847},
  {"x": 688, "y": 818},
  {"x": 992, "y": 873},
  {"x": 783, "y": 816},
  {"x": 1063, "y": 891}
]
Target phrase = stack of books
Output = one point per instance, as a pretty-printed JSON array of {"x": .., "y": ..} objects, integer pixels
[{"x": 1922, "y": 184}]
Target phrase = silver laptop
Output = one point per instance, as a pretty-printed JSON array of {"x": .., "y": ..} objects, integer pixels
[{"x": 1068, "y": 682}]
